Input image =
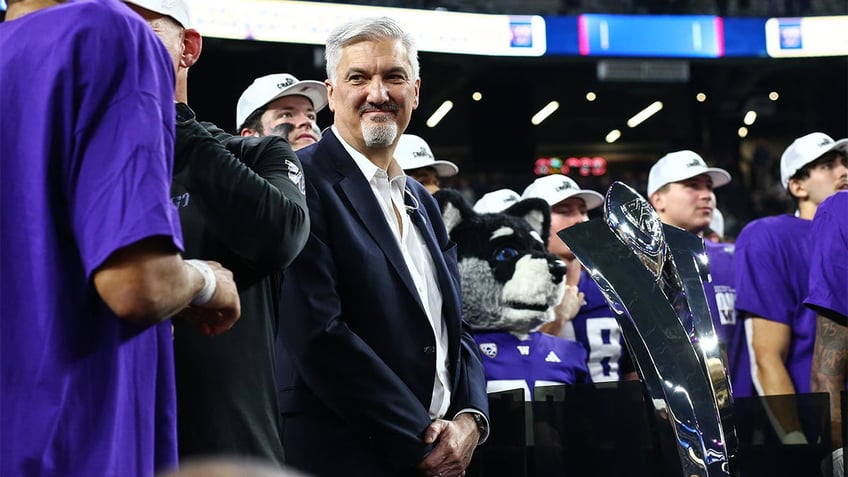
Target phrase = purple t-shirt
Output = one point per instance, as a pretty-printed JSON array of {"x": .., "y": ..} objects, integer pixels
[
  {"x": 87, "y": 140},
  {"x": 596, "y": 328},
  {"x": 721, "y": 297},
  {"x": 829, "y": 259},
  {"x": 539, "y": 360},
  {"x": 771, "y": 271}
]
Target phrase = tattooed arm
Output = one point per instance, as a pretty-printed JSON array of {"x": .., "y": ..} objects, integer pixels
[{"x": 830, "y": 368}]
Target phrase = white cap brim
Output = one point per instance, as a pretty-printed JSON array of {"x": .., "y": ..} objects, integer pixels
[
  {"x": 443, "y": 168},
  {"x": 313, "y": 90},
  {"x": 591, "y": 198},
  {"x": 719, "y": 177}
]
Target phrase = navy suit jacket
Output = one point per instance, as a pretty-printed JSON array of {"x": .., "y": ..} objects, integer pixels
[{"x": 357, "y": 345}]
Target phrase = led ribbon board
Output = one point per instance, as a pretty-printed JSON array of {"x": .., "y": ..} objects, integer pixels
[
  {"x": 311, "y": 22},
  {"x": 810, "y": 36},
  {"x": 682, "y": 36}
]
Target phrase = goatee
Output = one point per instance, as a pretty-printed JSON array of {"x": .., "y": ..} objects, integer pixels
[{"x": 379, "y": 134}]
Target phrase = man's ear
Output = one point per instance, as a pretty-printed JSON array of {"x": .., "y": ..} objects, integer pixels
[
  {"x": 657, "y": 201},
  {"x": 797, "y": 188},
  {"x": 248, "y": 132},
  {"x": 330, "y": 90},
  {"x": 417, "y": 91},
  {"x": 192, "y": 45}
]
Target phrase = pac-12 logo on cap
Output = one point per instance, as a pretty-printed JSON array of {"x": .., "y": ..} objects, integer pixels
[
  {"x": 565, "y": 185},
  {"x": 284, "y": 83},
  {"x": 825, "y": 142},
  {"x": 421, "y": 153},
  {"x": 695, "y": 162}
]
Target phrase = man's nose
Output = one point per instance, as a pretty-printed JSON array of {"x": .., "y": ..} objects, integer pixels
[
  {"x": 378, "y": 92},
  {"x": 302, "y": 121}
]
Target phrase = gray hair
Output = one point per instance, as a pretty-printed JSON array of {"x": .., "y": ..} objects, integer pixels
[{"x": 367, "y": 29}]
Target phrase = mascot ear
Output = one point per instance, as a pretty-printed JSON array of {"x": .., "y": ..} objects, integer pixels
[
  {"x": 455, "y": 209},
  {"x": 535, "y": 212}
]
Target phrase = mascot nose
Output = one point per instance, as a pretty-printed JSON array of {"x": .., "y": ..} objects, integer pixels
[{"x": 557, "y": 268}]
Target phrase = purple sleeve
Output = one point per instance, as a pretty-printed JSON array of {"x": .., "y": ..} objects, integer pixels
[
  {"x": 759, "y": 276},
  {"x": 118, "y": 181},
  {"x": 829, "y": 259}
]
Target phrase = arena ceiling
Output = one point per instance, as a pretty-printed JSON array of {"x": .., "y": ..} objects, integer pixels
[{"x": 496, "y": 131}]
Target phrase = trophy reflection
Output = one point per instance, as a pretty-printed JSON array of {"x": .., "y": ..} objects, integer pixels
[{"x": 652, "y": 275}]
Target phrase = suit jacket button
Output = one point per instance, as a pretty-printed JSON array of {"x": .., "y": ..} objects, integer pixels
[{"x": 429, "y": 349}]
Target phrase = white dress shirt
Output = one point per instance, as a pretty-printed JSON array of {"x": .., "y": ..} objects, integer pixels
[{"x": 389, "y": 188}]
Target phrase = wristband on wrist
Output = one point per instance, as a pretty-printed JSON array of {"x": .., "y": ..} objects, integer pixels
[
  {"x": 209, "y": 282},
  {"x": 794, "y": 437}
]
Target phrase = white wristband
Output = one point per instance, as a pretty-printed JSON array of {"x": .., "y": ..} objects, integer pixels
[
  {"x": 209, "y": 282},
  {"x": 794, "y": 437}
]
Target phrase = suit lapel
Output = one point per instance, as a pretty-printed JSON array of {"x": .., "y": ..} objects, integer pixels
[
  {"x": 447, "y": 285},
  {"x": 357, "y": 193}
]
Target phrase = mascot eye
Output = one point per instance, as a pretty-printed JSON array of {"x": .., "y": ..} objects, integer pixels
[{"x": 505, "y": 254}]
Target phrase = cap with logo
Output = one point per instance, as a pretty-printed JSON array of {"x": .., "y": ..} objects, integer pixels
[
  {"x": 269, "y": 88},
  {"x": 413, "y": 152},
  {"x": 805, "y": 150},
  {"x": 555, "y": 188},
  {"x": 681, "y": 165},
  {"x": 496, "y": 201},
  {"x": 176, "y": 9}
]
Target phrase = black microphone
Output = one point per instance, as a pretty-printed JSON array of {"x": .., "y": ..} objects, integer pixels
[{"x": 411, "y": 209}]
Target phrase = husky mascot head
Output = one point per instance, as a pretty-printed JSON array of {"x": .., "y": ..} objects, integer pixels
[{"x": 509, "y": 280}]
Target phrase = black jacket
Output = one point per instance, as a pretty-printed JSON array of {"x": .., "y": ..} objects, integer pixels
[
  {"x": 359, "y": 352},
  {"x": 241, "y": 203}
]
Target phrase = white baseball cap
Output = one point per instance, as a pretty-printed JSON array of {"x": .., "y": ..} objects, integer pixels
[
  {"x": 176, "y": 9},
  {"x": 496, "y": 201},
  {"x": 805, "y": 150},
  {"x": 555, "y": 188},
  {"x": 269, "y": 88},
  {"x": 413, "y": 152},
  {"x": 681, "y": 165}
]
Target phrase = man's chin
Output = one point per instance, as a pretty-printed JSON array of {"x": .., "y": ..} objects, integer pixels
[
  {"x": 379, "y": 134},
  {"x": 301, "y": 143}
]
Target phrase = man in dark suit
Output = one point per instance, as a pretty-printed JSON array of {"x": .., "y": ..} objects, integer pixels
[{"x": 383, "y": 377}]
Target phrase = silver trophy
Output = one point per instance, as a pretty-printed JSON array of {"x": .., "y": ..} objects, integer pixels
[{"x": 652, "y": 276}]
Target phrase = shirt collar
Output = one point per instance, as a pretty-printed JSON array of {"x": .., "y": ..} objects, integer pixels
[{"x": 368, "y": 169}]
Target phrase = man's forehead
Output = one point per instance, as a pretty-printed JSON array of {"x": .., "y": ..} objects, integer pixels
[
  {"x": 293, "y": 101},
  {"x": 422, "y": 171},
  {"x": 700, "y": 179},
  {"x": 830, "y": 156},
  {"x": 388, "y": 53},
  {"x": 570, "y": 203}
]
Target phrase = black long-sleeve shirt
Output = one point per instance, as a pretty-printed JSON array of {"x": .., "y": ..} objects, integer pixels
[{"x": 241, "y": 203}]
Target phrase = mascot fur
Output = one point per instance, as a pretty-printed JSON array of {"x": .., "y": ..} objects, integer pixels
[{"x": 510, "y": 286}]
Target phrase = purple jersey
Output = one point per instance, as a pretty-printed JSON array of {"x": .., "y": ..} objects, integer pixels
[
  {"x": 87, "y": 139},
  {"x": 596, "y": 328},
  {"x": 829, "y": 259},
  {"x": 721, "y": 296},
  {"x": 771, "y": 271},
  {"x": 539, "y": 360}
]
